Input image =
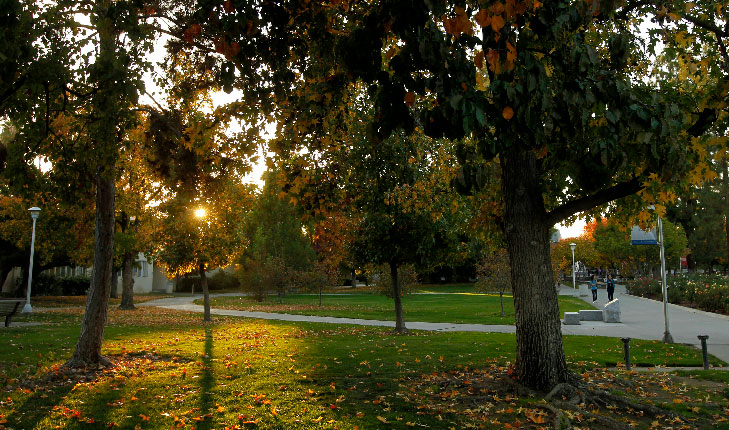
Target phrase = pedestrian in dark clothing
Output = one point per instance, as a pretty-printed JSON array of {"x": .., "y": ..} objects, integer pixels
[
  {"x": 610, "y": 284},
  {"x": 593, "y": 287}
]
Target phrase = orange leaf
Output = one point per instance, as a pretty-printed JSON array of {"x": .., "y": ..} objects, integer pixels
[
  {"x": 409, "y": 98},
  {"x": 497, "y": 23},
  {"x": 492, "y": 57},
  {"x": 508, "y": 113},
  {"x": 483, "y": 18},
  {"x": 382, "y": 419},
  {"x": 497, "y": 8},
  {"x": 478, "y": 61}
]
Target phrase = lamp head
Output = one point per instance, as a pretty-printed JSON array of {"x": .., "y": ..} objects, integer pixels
[
  {"x": 572, "y": 245},
  {"x": 34, "y": 211}
]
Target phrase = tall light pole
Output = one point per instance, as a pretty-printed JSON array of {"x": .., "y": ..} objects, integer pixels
[
  {"x": 667, "y": 338},
  {"x": 574, "y": 282},
  {"x": 34, "y": 211}
]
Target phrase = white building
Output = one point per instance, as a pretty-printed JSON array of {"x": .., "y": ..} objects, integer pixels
[{"x": 148, "y": 278}]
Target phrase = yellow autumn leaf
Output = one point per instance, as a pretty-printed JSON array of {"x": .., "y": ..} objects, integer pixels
[{"x": 382, "y": 419}]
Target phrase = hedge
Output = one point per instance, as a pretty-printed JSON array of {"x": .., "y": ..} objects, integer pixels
[{"x": 700, "y": 291}]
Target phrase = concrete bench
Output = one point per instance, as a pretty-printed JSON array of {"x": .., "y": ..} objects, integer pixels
[
  {"x": 591, "y": 315},
  {"x": 572, "y": 318},
  {"x": 10, "y": 307},
  {"x": 611, "y": 312}
]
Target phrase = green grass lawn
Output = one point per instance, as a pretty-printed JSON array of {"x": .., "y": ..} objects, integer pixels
[
  {"x": 466, "y": 308},
  {"x": 174, "y": 371}
]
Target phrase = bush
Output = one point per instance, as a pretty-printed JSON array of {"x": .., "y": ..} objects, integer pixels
[
  {"x": 49, "y": 285},
  {"x": 380, "y": 276},
  {"x": 223, "y": 281},
  {"x": 701, "y": 291},
  {"x": 219, "y": 281}
]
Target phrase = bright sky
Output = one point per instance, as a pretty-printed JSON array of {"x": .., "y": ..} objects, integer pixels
[{"x": 574, "y": 230}]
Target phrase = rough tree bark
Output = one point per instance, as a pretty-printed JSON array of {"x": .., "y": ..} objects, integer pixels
[
  {"x": 127, "y": 302},
  {"x": 540, "y": 361},
  {"x": 397, "y": 295},
  {"x": 114, "y": 284},
  {"x": 206, "y": 295},
  {"x": 88, "y": 347}
]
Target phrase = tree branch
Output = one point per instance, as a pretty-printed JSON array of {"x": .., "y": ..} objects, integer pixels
[
  {"x": 607, "y": 195},
  {"x": 631, "y": 6}
]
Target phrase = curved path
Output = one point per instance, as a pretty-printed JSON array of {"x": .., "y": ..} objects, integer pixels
[{"x": 642, "y": 319}]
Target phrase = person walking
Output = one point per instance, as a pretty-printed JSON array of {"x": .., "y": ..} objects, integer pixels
[
  {"x": 593, "y": 287},
  {"x": 610, "y": 286}
]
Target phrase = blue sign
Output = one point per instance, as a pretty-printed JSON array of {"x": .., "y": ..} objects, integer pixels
[{"x": 642, "y": 237}]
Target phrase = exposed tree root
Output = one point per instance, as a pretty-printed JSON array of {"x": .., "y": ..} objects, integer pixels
[
  {"x": 400, "y": 331},
  {"x": 76, "y": 363},
  {"x": 600, "y": 397},
  {"x": 602, "y": 421},
  {"x": 576, "y": 398},
  {"x": 560, "y": 421}
]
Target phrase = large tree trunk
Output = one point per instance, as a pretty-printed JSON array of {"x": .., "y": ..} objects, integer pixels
[
  {"x": 540, "y": 361},
  {"x": 114, "y": 283},
  {"x": 725, "y": 192},
  {"x": 354, "y": 279},
  {"x": 88, "y": 348},
  {"x": 127, "y": 302},
  {"x": 397, "y": 295},
  {"x": 206, "y": 295}
]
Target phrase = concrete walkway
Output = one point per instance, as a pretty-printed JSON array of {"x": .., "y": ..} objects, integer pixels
[{"x": 642, "y": 319}]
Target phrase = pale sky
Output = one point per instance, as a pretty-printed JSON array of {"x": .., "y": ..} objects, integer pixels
[{"x": 574, "y": 230}]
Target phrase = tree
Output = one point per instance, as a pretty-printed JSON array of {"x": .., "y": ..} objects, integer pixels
[
  {"x": 494, "y": 274},
  {"x": 135, "y": 193},
  {"x": 553, "y": 90},
  {"x": 396, "y": 192},
  {"x": 199, "y": 162},
  {"x": 207, "y": 232},
  {"x": 280, "y": 246}
]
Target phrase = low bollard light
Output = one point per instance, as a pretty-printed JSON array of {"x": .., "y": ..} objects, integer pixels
[
  {"x": 626, "y": 348},
  {"x": 704, "y": 350}
]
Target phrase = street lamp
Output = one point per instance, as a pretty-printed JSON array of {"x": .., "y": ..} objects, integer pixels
[
  {"x": 667, "y": 338},
  {"x": 574, "y": 282},
  {"x": 34, "y": 212}
]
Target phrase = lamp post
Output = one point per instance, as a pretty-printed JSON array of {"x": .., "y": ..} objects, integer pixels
[
  {"x": 34, "y": 212},
  {"x": 667, "y": 338},
  {"x": 574, "y": 282}
]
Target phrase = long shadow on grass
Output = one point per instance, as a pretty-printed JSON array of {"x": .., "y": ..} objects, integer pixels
[
  {"x": 38, "y": 405},
  {"x": 206, "y": 382}
]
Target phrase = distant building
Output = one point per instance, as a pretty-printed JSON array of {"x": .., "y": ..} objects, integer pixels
[
  {"x": 556, "y": 237},
  {"x": 147, "y": 277}
]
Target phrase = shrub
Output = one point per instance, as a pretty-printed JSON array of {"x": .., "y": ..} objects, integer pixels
[
  {"x": 219, "y": 281},
  {"x": 223, "y": 281},
  {"x": 700, "y": 291},
  {"x": 49, "y": 285}
]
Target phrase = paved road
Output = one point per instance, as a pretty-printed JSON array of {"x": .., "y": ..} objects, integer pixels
[{"x": 642, "y": 319}]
